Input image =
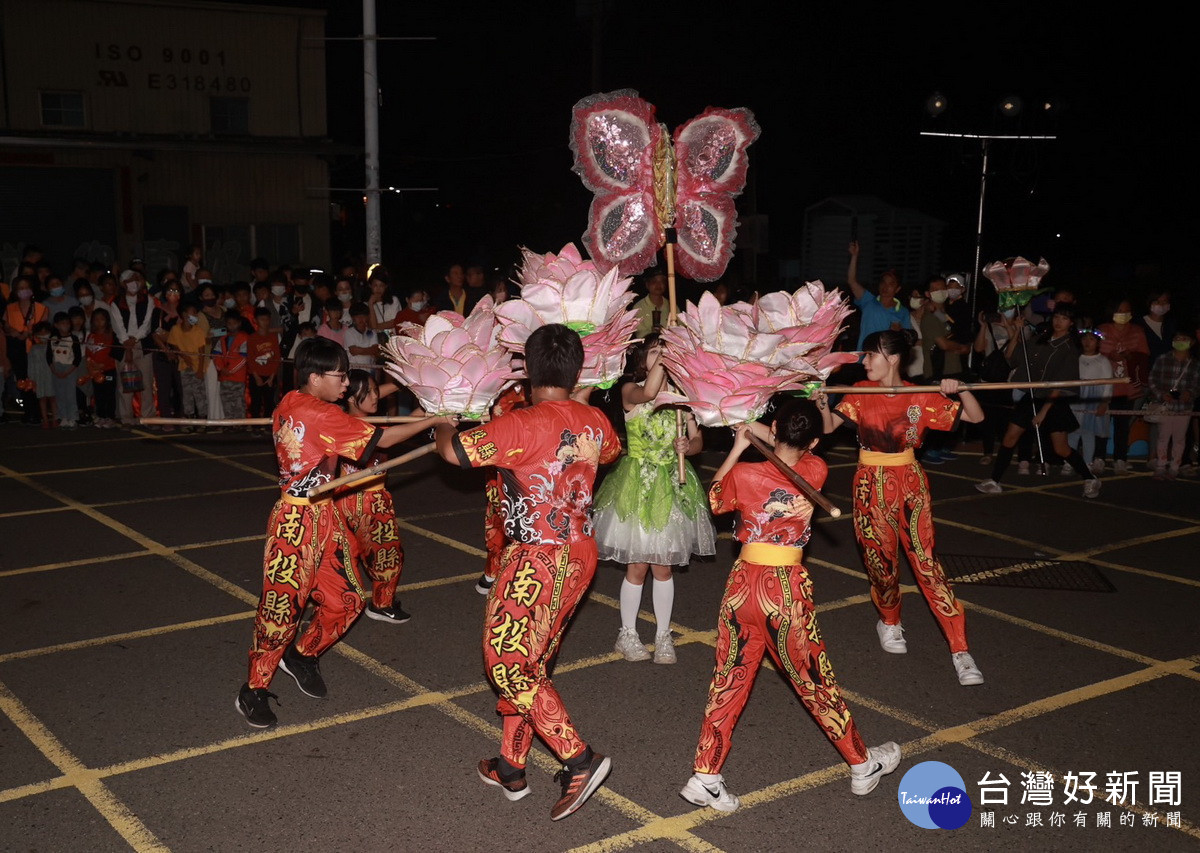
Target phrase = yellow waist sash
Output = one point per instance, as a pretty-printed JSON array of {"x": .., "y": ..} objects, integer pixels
[
  {"x": 766, "y": 554},
  {"x": 295, "y": 501},
  {"x": 875, "y": 457}
]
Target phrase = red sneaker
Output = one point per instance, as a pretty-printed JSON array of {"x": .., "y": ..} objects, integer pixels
[
  {"x": 513, "y": 789},
  {"x": 580, "y": 785}
]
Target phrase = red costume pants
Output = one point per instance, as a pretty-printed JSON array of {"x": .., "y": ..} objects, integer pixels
[
  {"x": 371, "y": 517},
  {"x": 533, "y": 599},
  {"x": 769, "y": 609},
  {"x": 893, "y": 509},
  {"x": 307, "y": 555}
]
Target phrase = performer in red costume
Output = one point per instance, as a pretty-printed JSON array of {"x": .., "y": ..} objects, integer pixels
[
  {"x": 768, "y": 607},
  {"x": 369, "y": 512},
  {"x": 892, "y": 504},
  {"x": 547, "y": 454},
  {"x": 494, "y": 539},
  {"x": 307, "y": 542}
]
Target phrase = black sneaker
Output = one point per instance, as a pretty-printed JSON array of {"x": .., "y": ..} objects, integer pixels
[
  {"x": 306, "y": 670},
  {"x": 484, "y": 585},
  {"x": 394, "y": 613},
  {"x": 578, "y": 785},
  {"x": 255, "y": 706}
]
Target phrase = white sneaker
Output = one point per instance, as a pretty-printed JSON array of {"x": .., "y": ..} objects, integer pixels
[
  {"x": 989, "y": 487},
  {"x": 891, "y": 637},
  {"x": 986, "y": 460},
  {"x": 712, "y": 794},
  {"x": 664, "y": 648},
  {"x": 1067, "y": 469},
  {"x": 629, "y": 645},
  {"x": 1097, "y": 467},
  {"x": 968, "y": 672},
  {"x": 1023, "y": 467},
  {"x": 1120, "y": 467},
  {"x": 881, "y": 760},
  {"x": 1091, "y": 489}
]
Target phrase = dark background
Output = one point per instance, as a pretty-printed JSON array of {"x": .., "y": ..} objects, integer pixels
[{"x": 483, "y": 113}]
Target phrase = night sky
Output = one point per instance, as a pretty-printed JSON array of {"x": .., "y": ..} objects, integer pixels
[{"x": 483, "y": 113}]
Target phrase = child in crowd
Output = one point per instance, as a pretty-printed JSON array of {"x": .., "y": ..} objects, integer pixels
[
  {"x": 40, "y": 374},
  {"x": 243, "y": 303},
  {"x": 644, "y": 517},
  {"x": 64, "y": 355},
  {"x": 307, "y": 541},
  {"x": 360, "y": 340},
  {"x": 230, "y": 354},
  {"x": 549, "y": 452},
  {"x": 303, "y": 332},
  {"x": 1091, "y": 406},
  {"x": 188, "y": 341},
  {"x": 768, "y": 607},
  {"x": 262, "y": 369},
  {"x": 98, "y": 347},
  {"x": 1174, "y": 380},
  {"x": 369, "y": 512},
  {"x": 83, "y": 382},
  {"x": 331, "y": 326}
]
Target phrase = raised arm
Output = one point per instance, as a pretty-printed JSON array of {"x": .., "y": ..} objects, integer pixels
[{"x": 852, "y": 272}]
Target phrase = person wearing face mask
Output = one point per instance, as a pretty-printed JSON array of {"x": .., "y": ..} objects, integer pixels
[
  {"x": 57, "y": 299},
  {"x": 945, "y": 358},
  {"x": 417, "y": 308},
  {"x": 1158, "y": 324},
  {"x": 188, "y": 346},
  {"x": 1124, "y": 344},
  {"x": 995, "y": 330},
  {"x": 135, "y": 316},
  {"x": 918, "y": 304},
  {"x": 1175, "y": 381},
  {"x": 21, "y": 314}
]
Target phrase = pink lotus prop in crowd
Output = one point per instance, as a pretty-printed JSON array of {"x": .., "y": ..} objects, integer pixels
[
  {"x": 566, "y": 289},
  {"x": 453, "y": 364},
  {"x": 729, "y": 360}
]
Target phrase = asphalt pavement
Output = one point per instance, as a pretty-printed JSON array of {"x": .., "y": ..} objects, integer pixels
[{"x": 130, "y": 564}]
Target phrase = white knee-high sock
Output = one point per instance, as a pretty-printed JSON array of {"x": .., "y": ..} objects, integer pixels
[
  {"x": 664, "y": 601},
  {"x": 631, "y": 602}
]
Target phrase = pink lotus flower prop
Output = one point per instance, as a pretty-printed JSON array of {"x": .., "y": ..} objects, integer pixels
[
  {"x": 569, "y": 290},
  {"x": 719, "y": 389},
  {"x": 810, "y": 320},
  {"x": 452, "y": 364},
  {"x": 1016, "y": 280}
]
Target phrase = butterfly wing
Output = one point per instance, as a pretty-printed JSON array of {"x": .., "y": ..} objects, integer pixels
[
  {"x": 613, "y": 137},
  {"x": 711, "y": 164}
]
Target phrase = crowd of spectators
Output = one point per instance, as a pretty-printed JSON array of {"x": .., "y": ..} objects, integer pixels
[{"x": 102, "y": 347}]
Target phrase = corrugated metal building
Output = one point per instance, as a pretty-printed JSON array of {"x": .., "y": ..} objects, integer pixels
[{"x": 139, "y": 127}]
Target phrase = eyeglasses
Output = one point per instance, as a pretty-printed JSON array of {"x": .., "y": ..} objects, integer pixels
[{"x": 336, "y": 373}]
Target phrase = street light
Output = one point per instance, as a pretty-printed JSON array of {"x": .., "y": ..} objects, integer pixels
[{"x": 1009, "y": 107}]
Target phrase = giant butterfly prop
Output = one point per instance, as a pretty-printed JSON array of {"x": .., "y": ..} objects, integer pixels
[{"x": 644, "y": 184}]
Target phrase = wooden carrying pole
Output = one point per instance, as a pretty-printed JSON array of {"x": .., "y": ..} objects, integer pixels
[
  {"x": 969, "y": 386},
  {"x": 372, "y": 472},
  {"x": 672, "y": 313},
  {"x": 802, "y": 484},
  {"x": 235, "y": 422}
]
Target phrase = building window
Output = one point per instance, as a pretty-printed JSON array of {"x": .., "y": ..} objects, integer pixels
[
  {"x": 229, "y": 115},
  {"x": 62, "y": 109}
]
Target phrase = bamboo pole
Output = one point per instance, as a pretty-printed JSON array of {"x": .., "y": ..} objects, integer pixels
[
  {"x": 969, "y": 386},
  {"x": 236, "y": 422},
  {"x": 672, "y": 313},
  {"x": 370, "y": 473},
  {"x": 802, "y": 484}
]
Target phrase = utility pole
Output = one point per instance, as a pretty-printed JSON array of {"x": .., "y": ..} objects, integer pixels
[{"x": 371, "y": 133}]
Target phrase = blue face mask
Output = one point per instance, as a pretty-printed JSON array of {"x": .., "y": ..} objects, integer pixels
[{"x": 56, "y": 291}]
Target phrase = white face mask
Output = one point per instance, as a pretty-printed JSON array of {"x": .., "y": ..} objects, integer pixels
[
  {"x": 1009, "y": 313},
  {"x": 418, "y": 305},
  {"x": 193, "y": 319},
  {"x": 1158, "y": 310},
  {"x": 85, "y": 301},
  {"x": 345, "y": 297},
  {"x": 939, "y": 296},
  {"x": 132, "y": 287},
  {"x": 916, "y": 302},
  {"x": 954, "y": 292},
  {"x": 230, "y": 303},
  {"x": 24, "y": 293},
  {"x": 278, "y": 289},
  {"x": 1122, "y": 318}
]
